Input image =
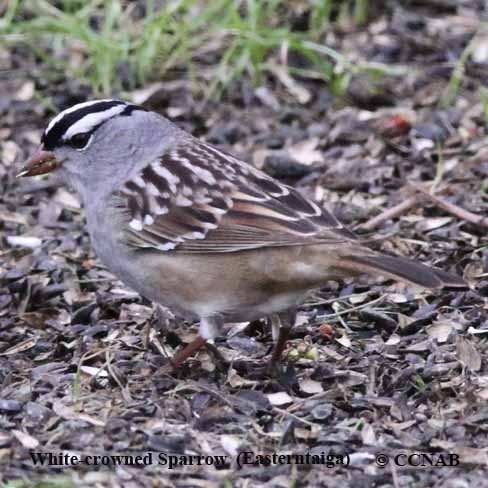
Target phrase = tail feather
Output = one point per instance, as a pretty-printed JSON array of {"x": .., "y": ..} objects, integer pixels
[{"x": 405, "y": 270}]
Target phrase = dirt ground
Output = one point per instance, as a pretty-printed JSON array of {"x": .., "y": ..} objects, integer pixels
[{"x": 374, "y": 368}]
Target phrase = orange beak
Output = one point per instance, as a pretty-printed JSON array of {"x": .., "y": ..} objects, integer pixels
[{"x": 39, "y": 163}]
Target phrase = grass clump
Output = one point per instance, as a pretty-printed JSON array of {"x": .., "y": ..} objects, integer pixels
[
  {"x": 105, "y": 43},
  {"x": 116, "y": 44}
]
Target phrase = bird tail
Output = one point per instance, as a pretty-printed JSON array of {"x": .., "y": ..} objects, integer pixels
[{"x": 404, "y": 270}]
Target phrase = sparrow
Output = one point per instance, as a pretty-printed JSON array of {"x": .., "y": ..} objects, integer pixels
[{"x": 198, "y": 230}]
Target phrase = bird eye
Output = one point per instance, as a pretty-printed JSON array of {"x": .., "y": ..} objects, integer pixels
[{"x": 80, "y": 141}]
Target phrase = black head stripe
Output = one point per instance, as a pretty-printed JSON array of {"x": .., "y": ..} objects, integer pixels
[
  {"x": 53, "y": 135},
  {"x": 132, "y": 108}
]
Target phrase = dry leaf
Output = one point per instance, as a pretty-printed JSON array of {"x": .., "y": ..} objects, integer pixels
[
  {"x": 467, "y": 455},
  {"x": 231, "y": 444},
  {"x": 6, "y": 216},
  {"x": 91, "y": 371},
  {"x": 306, "y": 152},
  {"x": 393, "y": 340},
  {"x": 468, "y": 354},
  {"x": 68, "y": 413},
  {"x": 307, "y": 434},
  {"x": 24, "y": 241},
  {"x": 433, "y": 223},
  {"x": 344, "y": 341},
  {"x": 358, "y": 298},
  {"x": 479, "y": 48},
  {"x": 26, "y": 92},
  {"x": 298, "y": 91},
  {"x": 21, "y": 347},
  {"x": 336, "y": 356},
  {"x": 9, "y": 152},
  {"x": 280, "y": 398},
  {"x": 25, "y": 439},
  {"x": 267, "y": 97},
  {"x": 440, "y": 331},
  {"x": 237, "y": 381},
  {"x": 311, "y": 386},
  {"x": 483, "y": 394},
  {"x": 368, "y": 436}
]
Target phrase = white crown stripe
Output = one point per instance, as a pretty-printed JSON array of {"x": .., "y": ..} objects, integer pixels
[
  {"x": 90, "y": 121},
  {"x": 71, "y": 110}
]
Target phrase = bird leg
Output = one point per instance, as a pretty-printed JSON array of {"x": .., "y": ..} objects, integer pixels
[
  {"x": 210, "y": 328},
  {"x": 284, "y": 333},
  {"x": 281, "y": 324},
  {"x": 187, "y": 351}
]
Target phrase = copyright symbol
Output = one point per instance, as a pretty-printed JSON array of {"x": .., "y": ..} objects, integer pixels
[{"x": 382, "y": 460}]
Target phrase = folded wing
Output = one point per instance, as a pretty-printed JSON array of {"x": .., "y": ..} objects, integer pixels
[{"x": 199, "y": 199}]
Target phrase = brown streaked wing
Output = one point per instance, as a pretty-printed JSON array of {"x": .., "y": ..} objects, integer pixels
[{"x": 200, "y": 199}]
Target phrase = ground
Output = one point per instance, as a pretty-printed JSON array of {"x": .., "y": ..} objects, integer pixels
[{"x": 373, "y": 368}]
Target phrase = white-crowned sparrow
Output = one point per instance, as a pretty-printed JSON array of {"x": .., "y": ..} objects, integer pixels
[{"x": 197, "y": 230}]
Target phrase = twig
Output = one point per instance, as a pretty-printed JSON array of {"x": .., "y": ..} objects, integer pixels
[
  {"x": 310, "y": 303},
  {"x": 352, "y": 309},
  {"x": 123, "y": 389},
  {"x": 392, "y": 212},
  {"x": 296, "y": 417},
  {"x": 459, "y": 212},
  {"x": 419, "y": 194}
]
